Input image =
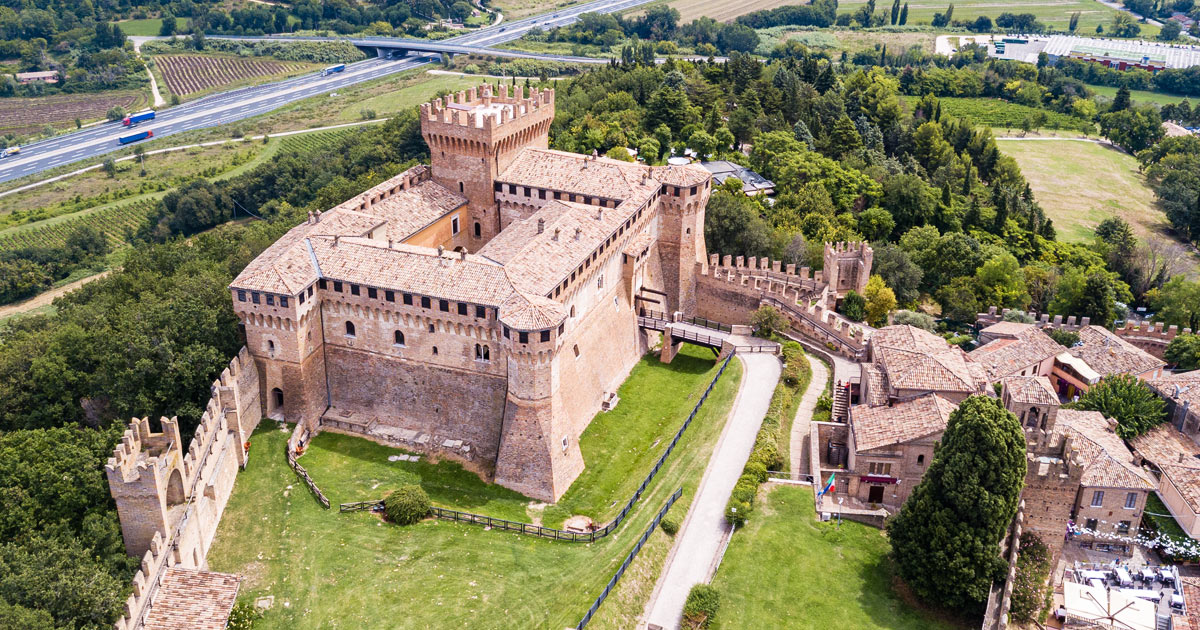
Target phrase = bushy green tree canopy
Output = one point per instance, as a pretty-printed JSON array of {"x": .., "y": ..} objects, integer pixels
[{"x": 1128, "y": 400}]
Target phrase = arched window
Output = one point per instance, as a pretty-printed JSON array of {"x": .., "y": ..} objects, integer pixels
[
  {"x": 349, "y": 329},
  {"x": 487, "y": 353},
  {"x": 460, "y": 187},
  {"x": 478, "y": 352},
  {"x": 576, "y": 349},
  {"x": 435, "y": 351},
  {"x": 270, "y": 348},
  {"x": 277, "y": 398},
  {"x": 399, "y": 338},
  {"x": 478, "y": 230},
  {"x": 1033, "y": 417},
  {"x": 920, "y": 459},
  {"x": 431, "y": 329},
  {"x": 572, "y": 310}
]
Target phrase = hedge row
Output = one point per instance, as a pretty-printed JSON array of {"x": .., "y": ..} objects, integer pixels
[{"x": 767, "y": 453}]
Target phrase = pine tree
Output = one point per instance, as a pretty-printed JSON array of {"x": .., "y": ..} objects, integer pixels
[
  {"x": 1001, "y": 215},
  {"x": 946, "y": 537},
  {"x": 883, "y": 55},
  {"x": 967, "y": 177},
  {"x": 825, "y": 79},
  {"x": 971, "y": 218},
  {"x": 1074, "y": 24},
  {"x": 947, "y": 198},
  {"x": 1121, "y": 102},
  {"x": 904, "y": 15}
]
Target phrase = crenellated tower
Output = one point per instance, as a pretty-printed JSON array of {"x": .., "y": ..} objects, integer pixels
[
  {"x": 473, "y": 136},
  {"x": 848, "y": 266},
  {"x": 684, "y": 195},
  {"x": 146, "y": 478}
]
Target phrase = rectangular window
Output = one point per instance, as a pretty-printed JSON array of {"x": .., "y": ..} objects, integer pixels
[
  {"x": 528, "y": 192},
  {"x": 1130, "y": 500},
  {"x": 301, "y": 297},
  {"x": 443, "y": 306},
  {"x": 425, "y": 302},
  {"x": 310, "y": 288},
  {"x": 541, "y": 194},
  {"x": 879, "y": 468},
  {"x": 545, "y": 336},
  {"x": 270, "y": 300},
  {"x": 389, "y": 296},
  {"x": 561, "y": 328},
  {"x": 354, "y": 289},
  {"x": 372, "y": 293},
  {"x": 1090, "y": 524},
  {"x": 480, "y": 312},
  {"x": 507, "y": 335},
  {"x": 454, "y": 225},
  {"x": 254, "y": 297},
  {"x": 498, "y": 187},
  {"x": 241, "y": 295},
  {"x": 693, "y": 190},
  {"x": 1098, "y": 498},
  {"x": 337, "y": 286},
  {"x": 462, "y": 308},
  {"x": 557, "y": 195},
  {"x": 283, "y": 300},
  {"x": 408, "y": 299},
  {"x": 523, "y": 337},
  {"x": 1123, "y": 527},
  {"x": 512, "y": 189}
]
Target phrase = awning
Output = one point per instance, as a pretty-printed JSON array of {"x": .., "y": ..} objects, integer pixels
[
  {"x": 1080, "y": 367},
  {"x": 878, "y": 479}
]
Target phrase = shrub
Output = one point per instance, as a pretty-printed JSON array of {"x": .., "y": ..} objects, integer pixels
[
  {"x": 825, "y": 402},
  {"x": 745, "y": 489},
  {"x": 756, "y": 471},
  {"x": 367, "y": 114},
  {"x": 1030, "y": 586},
  {"x": 669, "y": 525},
  {"x": 766, "y": 451},
  {"x": 406, "y": 505},
  {"x": 243, "y": 616},
  {"x": 702, "y": 604},
  {"x": 1065, "y": 338},
  {"x": 737, "y": 512}
]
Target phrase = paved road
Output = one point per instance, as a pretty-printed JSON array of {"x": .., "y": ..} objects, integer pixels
[
  {"x": 699, "y": 541},
  {"x": 798, "y": 451},
  {"x": 227, "y": 107}
]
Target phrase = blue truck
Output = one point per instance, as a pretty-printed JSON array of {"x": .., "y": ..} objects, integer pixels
[
  {"x": 134, "y": 137},
  {"x": 332, "y": 69},
  {"x": 134, "y": 119}
]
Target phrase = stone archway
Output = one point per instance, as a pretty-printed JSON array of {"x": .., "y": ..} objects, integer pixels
[{"x": 175, "y": 491}]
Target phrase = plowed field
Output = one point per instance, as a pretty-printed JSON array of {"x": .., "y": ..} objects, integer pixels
[{"x": 25, "y": 115}]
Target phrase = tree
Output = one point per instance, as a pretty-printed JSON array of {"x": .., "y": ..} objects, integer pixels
[
  {"x": 460, "y": 11},
  {"x": 197, "y": 37},
  {"x": 1170, "y": 31},
  {"x": 946, "y": 537},
  {"x": 1133, "y": 129},
  {"x": 168, "y": 24},
  {"x": 880, "y": 300},
  {"x": 911, "y": 318},
  {"x": 620, "y": 153},
  {"x": 1074, "y": 23},
  {"x": 110, "y": 167},
  {"x": 1064, "y": 338},
  {"x": 1184, "y": 351},
  {"x": 904, "y": 15},
  {"x": 767, "y": 321},
  {"x": 703, "y": 143},
  {"x": 853, "y": 306},
  {"x": 1177, "y": 302},
  {"x": 1122, "y": 100},
  {"x": 115, "y": 113},
  {"x": 958, "y": 300},
  {"x": 999, "y": 282},
  {"x": 876, "y": 224},
  {"x": 1123, "y": 25},
  {"x": 1126, "y": 399},
  {"x": 649, "y": 149},
  {"x": 895, "y": 12},
  {"x": 898, "y": 271},
  {"x": 733, "y": 225},
  {"x": 406, "y": 505}
]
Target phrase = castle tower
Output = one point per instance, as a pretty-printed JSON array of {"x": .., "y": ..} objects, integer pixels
[
  {"x": 473, "y": 136},
  {"x": 1033, "y": 401},
  {"x": 538, "y": 456},
  {"x": 145, "y": 477},
  {"x": 685, "y": 193},
  {"x": 848, "y": 266},
  {"x": 1051, "y": 487}
]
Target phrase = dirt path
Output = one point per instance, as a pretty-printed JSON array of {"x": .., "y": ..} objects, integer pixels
[{"x": 46, "y": 298}]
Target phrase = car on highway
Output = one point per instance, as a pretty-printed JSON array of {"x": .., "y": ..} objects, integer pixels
[{"x": 9, "y": 151}]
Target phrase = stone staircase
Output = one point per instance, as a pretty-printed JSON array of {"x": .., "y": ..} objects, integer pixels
[{"x": 841, "y": 404}]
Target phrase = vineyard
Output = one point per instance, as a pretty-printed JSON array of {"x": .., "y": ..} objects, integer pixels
[
  {"x": 113, "y": 222},
  {"x": 306, "y": 142},
  {"x": 997, "y": 113},
  {"x": 188, "y": 74},
  {"x": 26, "y": 115}
]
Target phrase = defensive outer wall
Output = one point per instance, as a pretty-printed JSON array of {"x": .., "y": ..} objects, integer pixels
[
  {"x": 1153, "y": 337},
  {"x": 169, "y": 499}
]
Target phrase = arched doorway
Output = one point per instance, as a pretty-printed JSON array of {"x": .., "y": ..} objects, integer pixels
[
  {"x": 276, "y": 402},
  {"x": 175, "y": 488}
]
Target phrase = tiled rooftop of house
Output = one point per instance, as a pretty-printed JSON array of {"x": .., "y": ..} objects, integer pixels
[
  {"x": 189, "y": 599},
  {"x": 1108, "y": 354},
  {"x": 1107, "y": 462},
  {"x": 1183, "y": 388},
  {"x": 1165, "y": 445},
  {"x": 1034, "y": 390},
  {"x": 600, "y": 177},
  {"x": 876, "y": 427},
  {"x": 1018, "y": 347},
  {"x": 914, "y": 359}
]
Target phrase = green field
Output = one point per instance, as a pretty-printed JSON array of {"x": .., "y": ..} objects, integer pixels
[
  {"x": 150, "y": 26},
  {"x": 787, "y": 570},
  {"x": 390, "y": 103},
  {"x": 1055, "y": 14},
  {"x": 1079, "y": 184},
  {"x": 997, "y": 113},
  {"x": 1139, "y": 96},
  {"x": 331, "y": 570}
]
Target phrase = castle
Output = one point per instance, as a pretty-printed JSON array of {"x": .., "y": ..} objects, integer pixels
[{"x": 481, "y": 308}]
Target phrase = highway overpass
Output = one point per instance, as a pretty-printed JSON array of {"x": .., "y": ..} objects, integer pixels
[{"x": 395, "y": 47}]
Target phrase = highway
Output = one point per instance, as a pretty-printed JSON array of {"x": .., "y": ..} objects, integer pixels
[{"x": 227, "y": 107}]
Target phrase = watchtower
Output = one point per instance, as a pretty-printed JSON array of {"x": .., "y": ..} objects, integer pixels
[
  {"x": 848, "y": 266},
  {"x": 473, "y": 136},
  {"x": 685, "y": 192},
  {"x": 146, "y": 477}
]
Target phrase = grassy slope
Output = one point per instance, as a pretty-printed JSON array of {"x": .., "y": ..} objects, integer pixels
[
  {"x": 817, "y": 573},
  {"x": 1056, "y": 14},
  {"x": 1139, "y": 96},
  {"x": 354, "y": 571},
  {"x": 1079, "y": 184},
  {"x": 149, "y": 26},
  {"x": 389, "y": 103}
]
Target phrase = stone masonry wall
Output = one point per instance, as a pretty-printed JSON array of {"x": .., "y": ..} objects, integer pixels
[{"x": 1153, "y": 337}]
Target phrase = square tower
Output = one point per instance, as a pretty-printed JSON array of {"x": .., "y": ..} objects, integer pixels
[
  {"x": 473, "y": 136},
  {"x": 848, "y": 266}
]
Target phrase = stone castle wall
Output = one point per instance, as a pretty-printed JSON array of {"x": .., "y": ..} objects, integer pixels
[
  {"x": 1049, "y": 495},
  {"x": 170, "y": 500},
  {"x": 1153, "y": 337}
]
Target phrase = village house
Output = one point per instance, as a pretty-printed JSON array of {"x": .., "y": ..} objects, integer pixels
[
  {"x": 1015, "y": 349},
  {"x": 1175, "y": 458},
  {"x": 905, "y": 361},
  {"x": 1100, "y": 354}
]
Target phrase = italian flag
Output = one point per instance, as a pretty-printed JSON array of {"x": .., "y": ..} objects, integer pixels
[{"x": 828, "y": 485}]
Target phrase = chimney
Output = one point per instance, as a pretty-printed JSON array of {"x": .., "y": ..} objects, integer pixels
[
  {"x": 541, "y": 226},
  {"x": 1112, "y": 423},
  {"x": 600, "y": 214},
  {"x": 463, "y": 255},
  {"x": 336, "y": 238},
  {"x": 317, "y": 216},
  {"x": 556, "y": 231},
  {"x": 441, "y": 250},
  {"x": 389, "y": 243},
  {"x": 310, "y": 218},
  {"x": 1182, "y": 456},
  {"x": 578, "y": 231}
]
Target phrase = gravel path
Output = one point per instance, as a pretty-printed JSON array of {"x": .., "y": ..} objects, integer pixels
[
  {"x": 804, "y": 414},
  {"x": 699, "y": 540}
]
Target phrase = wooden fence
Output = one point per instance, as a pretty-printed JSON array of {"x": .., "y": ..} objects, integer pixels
[
  {"x": 293, "y": 442},
  {"x": 548, "y": 532}
]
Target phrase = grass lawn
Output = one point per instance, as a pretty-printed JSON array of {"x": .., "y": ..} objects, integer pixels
[
  {"x": 998, "y": 113},
  {"x": 331, "y": 570},
  {"x": 819, "y": 576},
  {"x": 1079, "y": 184},
  {"x": 149, "y": 26},
  {"x": 1055, "y": 14},
  {"x": 1139, "y": 96},
  {"x": 409, "y": 97}
]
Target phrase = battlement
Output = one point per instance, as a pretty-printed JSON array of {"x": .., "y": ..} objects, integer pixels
[
  {"x": 848, "y": 266},
  {"x": 379, "y": 192},
  {"x": 479, "y": 108},
  {"x": 1152, "y": 337},
  {"x": 849, "y": 248},
  {"x": 141, "y": 450},
  {"x": 995, "y": 315},
  {"x": 154, "y": 561}
]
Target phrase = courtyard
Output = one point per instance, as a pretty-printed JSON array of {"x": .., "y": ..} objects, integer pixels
[{"x": 331, "y": 570}]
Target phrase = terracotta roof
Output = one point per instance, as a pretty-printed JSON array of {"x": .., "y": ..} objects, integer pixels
[
  {"x": 687, "y": 175},
  {"x": 578, "y": 174},
  {"x": 1020, "y": 346},
  {"x": 1182, "y": 388},
  {"x": 188, "y": 599},
  {"x": 1191, "y": 604},
  {"x": 1108, "y": 354},
  {"x": 876, "y": 384},
  {"x": 1187, "y": 480},
  {"x": 1165, "y": 445},
  {"x": 531, "y": 312},
  {"x": 1107, "y": 462},
  {"x": 915, "y": 359},
  {"x": 1030, "y": 389},
  {"x": 876, "y": 427}
]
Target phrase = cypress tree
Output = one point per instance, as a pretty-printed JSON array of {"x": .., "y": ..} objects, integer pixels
[
  {"x": 904, "y": 15},
  {"x": 1001, "y": 214},
  {"x": 945, "y": 540},
  {"x": 895, "y": 12}
]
